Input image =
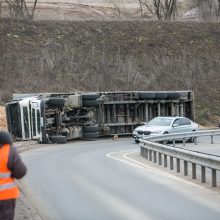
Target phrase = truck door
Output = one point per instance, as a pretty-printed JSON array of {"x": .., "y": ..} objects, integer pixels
[
  {"x": 25, "y": 119},
  {"x": 35, "y": 119}
]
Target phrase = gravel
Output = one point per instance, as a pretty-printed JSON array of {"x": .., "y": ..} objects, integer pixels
[{"x": 24, "y": 209}]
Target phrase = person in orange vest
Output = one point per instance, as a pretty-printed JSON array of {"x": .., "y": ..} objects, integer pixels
[{"x": 11, "y": 167}]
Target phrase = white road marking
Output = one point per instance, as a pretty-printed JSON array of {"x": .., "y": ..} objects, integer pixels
[
  {"x": 134, "y": 163},
  {"x": 193, "y": 191}
]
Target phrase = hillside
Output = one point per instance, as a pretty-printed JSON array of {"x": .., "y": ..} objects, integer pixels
[{"x": 48, "y": 56}]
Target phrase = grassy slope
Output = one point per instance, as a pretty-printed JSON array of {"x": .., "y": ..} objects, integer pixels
[{"x": 90, "y": 56}]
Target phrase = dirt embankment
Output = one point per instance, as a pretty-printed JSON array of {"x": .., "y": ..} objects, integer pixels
[
  {"x": 60, "y": 56},
  {"x": 3, "y": 125}
]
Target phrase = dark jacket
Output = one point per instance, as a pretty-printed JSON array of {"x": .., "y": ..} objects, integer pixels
[
  {"x": 18, "y": 170},
  {"x": 15, "y": 164}
]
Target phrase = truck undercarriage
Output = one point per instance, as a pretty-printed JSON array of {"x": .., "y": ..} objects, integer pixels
[{"x": 58, "y": 117}]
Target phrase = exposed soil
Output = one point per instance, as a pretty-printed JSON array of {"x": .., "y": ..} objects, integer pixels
[{"x": 3, "y": 124}]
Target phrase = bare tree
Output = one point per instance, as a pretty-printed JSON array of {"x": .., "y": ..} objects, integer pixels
[
  {"x": 18, "y": 9},
  {"x": 0, "y": 9},
  {"x": 145, "y": 4},
  {"x": 209, "y": 10},
  {"x": 115, "y": 6},
  {"x": 163, "y": 9}
]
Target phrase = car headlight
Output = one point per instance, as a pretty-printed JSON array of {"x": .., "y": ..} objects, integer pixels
[
  {"x": 156, "y": 132},
  {"x": 135, "y": 131}
]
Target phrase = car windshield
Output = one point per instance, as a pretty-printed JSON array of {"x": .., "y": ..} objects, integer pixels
[{"x": 160, "y": 122}]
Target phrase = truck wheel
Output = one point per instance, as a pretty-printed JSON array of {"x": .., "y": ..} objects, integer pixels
[
  {"x": 90, "y": 96},
  {"x": 146, "y": 95},
  {"x": 58, "y": 139},
  {"x": 173, "y": 95},
  {"x": 91, "y": 129},
  {"x": 161, "y": 95},
  {"x": 91, "y": 134},
  {"x": 59, "y": 102},
  {"x": 90, "y": 102}
]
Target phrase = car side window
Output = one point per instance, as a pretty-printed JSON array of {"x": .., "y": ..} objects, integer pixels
[
  {"x": 188, "y": 122},
  {"x": 176, "y": 122},
  {"x": 184, "y": 121}
]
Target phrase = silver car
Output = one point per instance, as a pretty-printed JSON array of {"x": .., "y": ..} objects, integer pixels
[{"x": 164, "y": 125}]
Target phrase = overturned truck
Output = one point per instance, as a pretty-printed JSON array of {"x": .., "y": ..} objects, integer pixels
[{"x": 58, "y": 117}]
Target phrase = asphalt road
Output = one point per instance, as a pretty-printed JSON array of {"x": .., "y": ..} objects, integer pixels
[
  {"x": 95, "y": 180},
  {"x": 204, "y": 145}
]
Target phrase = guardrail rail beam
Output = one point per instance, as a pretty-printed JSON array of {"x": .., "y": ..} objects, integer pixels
[{"x": 151, "y": 150}]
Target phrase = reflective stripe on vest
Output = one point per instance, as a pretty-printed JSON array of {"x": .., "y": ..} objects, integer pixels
[
  {"x": 5, "y": 175},
  {"x": 8, "y": 188}
]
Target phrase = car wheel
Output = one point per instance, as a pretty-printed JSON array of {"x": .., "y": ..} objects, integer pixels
[
  {"x": 137, "y": 141},
  {"x": 192, "y": 140}
]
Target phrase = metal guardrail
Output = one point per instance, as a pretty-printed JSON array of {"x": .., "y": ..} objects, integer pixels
[{"x": 154, "y": 152}]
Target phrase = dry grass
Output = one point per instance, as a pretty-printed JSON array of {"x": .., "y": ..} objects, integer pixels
[
  {"x": 3, "y": 125},
  {"x": 101, "y": 56}
]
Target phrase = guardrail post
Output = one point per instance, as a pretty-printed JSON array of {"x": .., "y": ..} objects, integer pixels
[
  {"x": 204, "y": 161},
  {"x": 146, "y": 153},
  {"x": 193, "y": 170},
  {"x": 160, "y": 158},
  {"x": 214, "y": 178},
  {"x": 195, "y": 141},
  {"x": 185, "y": 168},
  {"x": 142, "y": 151},
  {"x": 203, "y": 179},
  {"x": 177, "y": 165},
  {"x": 158, "y": 109},
  {"x": 155, "y": 156},
  {"x": 184, "y": 141},
  {"x": 171, "y": 163},
  {"x": 165, "y": 160},
  {"x": 150, "y": 155}
]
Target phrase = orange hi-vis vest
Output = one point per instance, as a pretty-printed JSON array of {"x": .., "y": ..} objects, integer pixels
[{"x": 8, "y": 188}]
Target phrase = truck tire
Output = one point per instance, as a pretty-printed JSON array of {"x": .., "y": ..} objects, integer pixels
[
  {"x": 90, "y": 96},
  {"x": 146, "y": 95},
  {"x": 58, "y": 139},
  {"x": 91, "y": 129},
  {"x": 59, "y": 102},
  {"x": 91, "y": 134},
  {"x": 161, "y": 95},
  {"x": 87, "y": 102},
  {"x": 173, "y": 95}
]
